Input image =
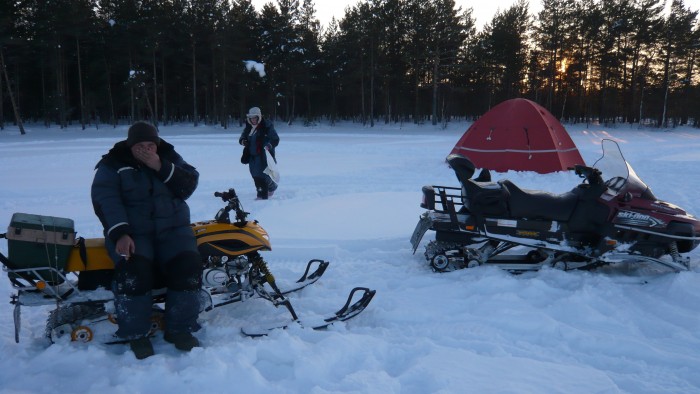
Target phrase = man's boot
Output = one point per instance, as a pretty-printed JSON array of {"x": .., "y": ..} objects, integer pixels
[
  {"x": 182, "y": 340},
  {"x": 142, "y": 348}
]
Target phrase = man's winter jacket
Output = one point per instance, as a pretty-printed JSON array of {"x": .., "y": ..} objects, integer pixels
[{"x": 131, "y": 198}]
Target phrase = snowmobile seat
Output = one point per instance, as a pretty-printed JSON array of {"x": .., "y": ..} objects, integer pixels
[
  {"x": 479, "y": 194},
  {"x": 486, "y": 198},
  {"x": 462, "y": 166},
  {"x": 535, "y": 204}
]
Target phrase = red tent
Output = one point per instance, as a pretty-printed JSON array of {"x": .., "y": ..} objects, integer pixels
[{"x": 519, "y": 135}]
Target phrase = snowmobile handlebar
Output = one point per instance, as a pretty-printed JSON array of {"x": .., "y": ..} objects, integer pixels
[
  {"x": 226, "y": 196},
  {"x": 593, "y": 175},
  {"x": 234, "y": 204}
]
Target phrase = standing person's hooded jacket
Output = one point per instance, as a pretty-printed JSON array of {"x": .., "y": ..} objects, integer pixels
[{"x": 265, "y": 135}]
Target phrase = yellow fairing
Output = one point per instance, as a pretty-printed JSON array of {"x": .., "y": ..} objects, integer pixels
[
  {"x": 226, "y": 239},
  {"x": 97, "y": 257},
  {"x": 213, "y": 239}
]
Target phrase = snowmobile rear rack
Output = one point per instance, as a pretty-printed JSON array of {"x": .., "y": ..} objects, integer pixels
[{"x": 442, "y": 199}]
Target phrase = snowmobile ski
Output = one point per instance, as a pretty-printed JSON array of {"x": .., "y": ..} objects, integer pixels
[
  {"x": 348, "y": 311},
  {"x": 90, "y": 315},
  {"x": 221, "y": 297}
]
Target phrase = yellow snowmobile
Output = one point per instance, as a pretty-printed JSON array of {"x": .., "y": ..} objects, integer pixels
[{"x": 48, "y": 265}]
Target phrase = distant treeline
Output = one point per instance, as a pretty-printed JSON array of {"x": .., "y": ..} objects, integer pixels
[{"x": 114, "y": 61}]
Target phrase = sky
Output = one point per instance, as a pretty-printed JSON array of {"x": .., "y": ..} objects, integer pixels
[
  {"x": 483, "y": 10},
  {"x": 351, "y": 195}
]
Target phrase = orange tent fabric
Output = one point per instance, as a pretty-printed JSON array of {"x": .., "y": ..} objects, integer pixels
[{"x": 520, "y": 135}]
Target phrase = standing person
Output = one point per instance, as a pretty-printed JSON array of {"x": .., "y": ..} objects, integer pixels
[
  {"x": 139, "y": 194},
  {"x": 259, "y": 135}
]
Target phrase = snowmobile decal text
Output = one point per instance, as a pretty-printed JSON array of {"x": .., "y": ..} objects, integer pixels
[
  {"x": 529, "y": 234},
  {"x": 638, "y": 219}
]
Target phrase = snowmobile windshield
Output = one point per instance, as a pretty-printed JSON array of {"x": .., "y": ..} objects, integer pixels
[{"x": 618, "y": 175}]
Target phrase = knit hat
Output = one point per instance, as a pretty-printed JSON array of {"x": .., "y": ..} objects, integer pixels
[
  {"x": 255, "y": 111},
  {"x": 140, "y": 132}
]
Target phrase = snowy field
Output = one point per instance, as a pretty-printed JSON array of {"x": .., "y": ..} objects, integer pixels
[{"x": 351, "y": 195}]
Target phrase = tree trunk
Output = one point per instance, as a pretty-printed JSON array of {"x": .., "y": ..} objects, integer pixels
[
  {"x": 149, "y": 106},
  {"x": 333, "y": 100},
  {"x": 44, "y": 99},
  {"x": 563, "y": 106},
  {"x": 80, "y": 84},
  {"x": 641, "y": 104},
  {"x": 309, "y": 114},
  {"x": 155, "y": 90},
  {"x": 371, "y": 84},
  {"x": 224, "y": 86},
  {"x": 18, "y": 119},
  {"x": 687, "y": 89},
  {"x": 294, "y": 104},
  {"x": 551, "y": 77},
  {"x": 112, "y": 117},
  {"x": 362, "y": 90},
  {"x": 2, "y": 112},
  {"x": 436, "y": 67},
  {"x": 165, "y": 96},
  {"x": 61, "y": 87},
  {"x": 666, "y": 86},
  {"x": 194, "y": 86},
  {"x": 131, "y": 91}
]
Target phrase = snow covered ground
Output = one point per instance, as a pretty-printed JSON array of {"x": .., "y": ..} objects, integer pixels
[{"x": 351, "y": 195}]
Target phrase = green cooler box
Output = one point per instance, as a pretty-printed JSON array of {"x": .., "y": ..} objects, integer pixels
[{"x": 36, "y": 241}]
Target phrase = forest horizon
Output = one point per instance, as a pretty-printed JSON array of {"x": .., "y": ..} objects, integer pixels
[{"x": 109, "y": 61}]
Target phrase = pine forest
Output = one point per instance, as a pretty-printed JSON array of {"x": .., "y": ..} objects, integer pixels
[{"x": 108, "y": 62}]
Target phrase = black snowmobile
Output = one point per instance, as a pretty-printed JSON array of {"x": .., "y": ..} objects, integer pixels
[{"x": 611, "y": 217}]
